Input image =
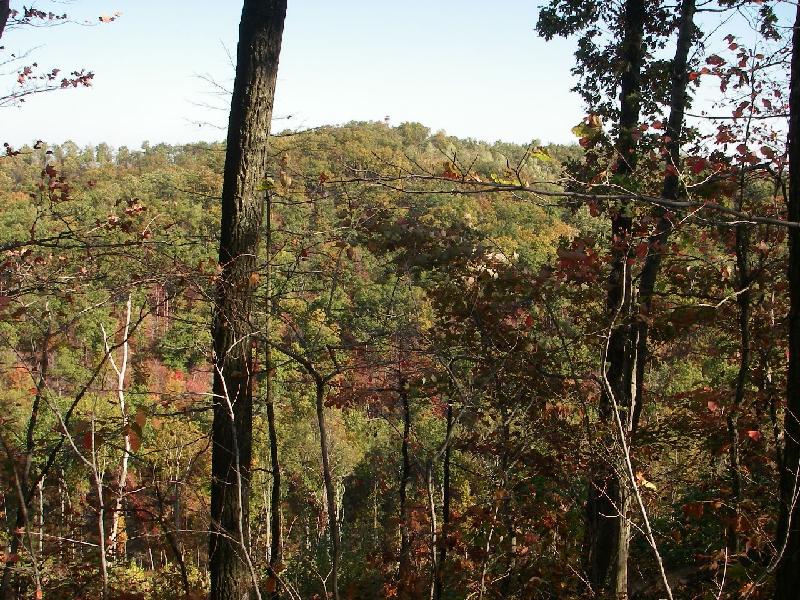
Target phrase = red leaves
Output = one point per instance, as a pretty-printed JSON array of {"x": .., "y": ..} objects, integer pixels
[
  {"x": 693, "y": 510},
  {"x": 696, "y": 164},
  {"x": 715, "y": 60},
  {"x": 754, "y": 435}
]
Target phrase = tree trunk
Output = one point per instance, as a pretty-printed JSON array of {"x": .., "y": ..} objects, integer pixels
[
  {"x": 404, "y": 576},
  {"x": 276, "y": 537},
  {"x": 5, "y": 12},
  {"x": 260, "y": 34},
  {"x": 603, "y": 538},
  {"x": 788, "y": 535},
  {"x": 121, "y": 370},
  {"x": 439, "y": 589},
  {"x": 330, "y": 494},
  {"x": 658, "y": 243}
]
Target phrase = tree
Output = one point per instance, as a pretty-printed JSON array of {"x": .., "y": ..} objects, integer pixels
[
  {"x": 260, "y": 36},
  {"x": 788, "y": 535}
]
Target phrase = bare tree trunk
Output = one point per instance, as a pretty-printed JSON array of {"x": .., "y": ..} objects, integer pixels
[
  {"x": 431, "y": 488},
  {"x": 260, "y": 35},
  {"x": 121, "y": 370},
  {"x": 788, "y": 534},
  {"x": 330, "y": 495},
  {"x": 276, "y": 535},
  {"x": 439, "y": 589},
  {"x": 404, "y": 576},
  {"x": 97, "y": 475}
]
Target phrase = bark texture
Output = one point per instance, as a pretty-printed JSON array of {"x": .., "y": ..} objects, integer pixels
[
  {"x": 260, "y": 34},
  {"x": 5, "y": 13}
]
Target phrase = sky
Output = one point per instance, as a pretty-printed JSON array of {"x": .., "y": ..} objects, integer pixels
[{"x": 469, "y": 67}]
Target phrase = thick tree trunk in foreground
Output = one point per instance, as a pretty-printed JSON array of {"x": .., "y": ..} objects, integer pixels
[
  {"x": 788, "y": 539},
  {"x": 606, "y": 540},
  {"x": 5, "y": 12},
  {"x": 260, "y": 33}
]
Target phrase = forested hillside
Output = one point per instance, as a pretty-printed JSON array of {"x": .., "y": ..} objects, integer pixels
[{"x": 400, "y": 364}]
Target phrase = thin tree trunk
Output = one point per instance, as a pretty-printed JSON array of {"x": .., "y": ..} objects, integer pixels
[
  {"x": 260, "y": 35},
  {"x": 121, "y": 370},
  {"x": 743, "y": 301},
  {"x": 404, "y": 576},
  {"x": 439, "y": 590},
  {"x": 434, "y": 543},
  {"x": 276, "y": 541},
  {"x": 330, "y": 495},
  {"x": 172, "y": 540},
  {"x": 97, "y": 475},
  {"x": 788, "y": 534},
  {"x": 658, "y": 243}
]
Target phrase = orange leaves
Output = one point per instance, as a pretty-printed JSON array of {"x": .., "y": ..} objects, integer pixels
[
  {"x": 109, "y": 18},
  {"x": 450, "y": 171}
]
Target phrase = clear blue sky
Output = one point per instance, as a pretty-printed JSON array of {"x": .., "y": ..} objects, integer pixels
[{"x": 473, "y": 68}]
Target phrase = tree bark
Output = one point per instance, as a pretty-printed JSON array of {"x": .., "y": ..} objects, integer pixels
[
  {"x": 5, "y": 13},
  {"x": 788, "y": 534},
  {"x": 260, "y": 35}
]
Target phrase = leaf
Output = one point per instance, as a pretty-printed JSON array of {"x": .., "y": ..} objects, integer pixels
[
  {"x": 541, "y": 154},
  {"x": 754, "y": 435},
  {"x": 141, "y": 417},
  {"x": 450, "y": 171},
  {"x": 693, "y": 509},
  {"x": 134, "y": 439},
  {"x": 715, "y": 60}
]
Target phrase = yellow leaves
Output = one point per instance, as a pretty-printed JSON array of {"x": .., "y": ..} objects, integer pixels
[
  {"x": 589, "y": 130},
  {"x": 643, "y": 482}
]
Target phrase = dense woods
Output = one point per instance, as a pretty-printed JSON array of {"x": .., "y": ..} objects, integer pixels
[{"x": 373, "y": 361}]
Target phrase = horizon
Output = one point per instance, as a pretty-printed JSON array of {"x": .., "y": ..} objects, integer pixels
[{"x": 472, "y": 72}]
